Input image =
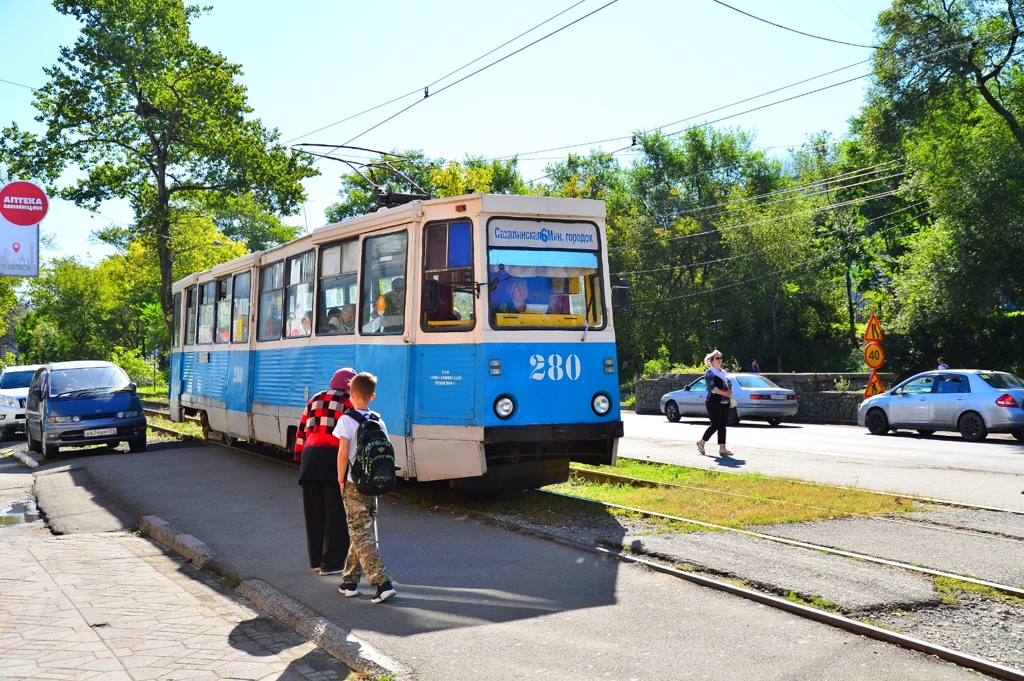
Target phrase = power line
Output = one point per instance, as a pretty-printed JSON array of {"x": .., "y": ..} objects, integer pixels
[
  {"x": 808, "y": 261},
  {"x": 792, "y": 30},
  {"x": 484, "y": 68},
  {"x": 429, "y": 85},
  {"x": 11, "y": 82}
]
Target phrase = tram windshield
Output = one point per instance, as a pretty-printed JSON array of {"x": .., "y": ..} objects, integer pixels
[{"x": 544, "y": 288}]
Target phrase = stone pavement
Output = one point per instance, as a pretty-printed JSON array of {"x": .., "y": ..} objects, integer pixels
[{"x": 116, "y": 606}]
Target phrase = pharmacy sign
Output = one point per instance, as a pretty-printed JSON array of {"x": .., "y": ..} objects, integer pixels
[{"x": 23, "y": 205}]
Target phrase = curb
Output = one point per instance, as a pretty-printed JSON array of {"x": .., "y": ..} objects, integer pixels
[
  {"x": 24, "y": 458},
  {"x": 338, "y": 642}
]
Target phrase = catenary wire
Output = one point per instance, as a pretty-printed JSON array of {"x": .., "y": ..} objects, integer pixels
[
  {"x": 483, "y": 68},
  {"x": 792, "y": 30},
  {"x": 429, "y": 85}
]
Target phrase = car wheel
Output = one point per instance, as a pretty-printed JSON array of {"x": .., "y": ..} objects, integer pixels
[
  {"x": 925, "y": 432},
  {"x": 1019, "y": 434},
  {"x": 877, "y": 422},
  {"x": 734, "y": 417},
  {"x": 672, "y": 411},
  {"x": 33, "y": 446},
  {"x": 137, "y": 445},
  {"x": 51, "y": 451},
  {"x": 972, "y": 427},
  {"x": 774, "y": 422}
]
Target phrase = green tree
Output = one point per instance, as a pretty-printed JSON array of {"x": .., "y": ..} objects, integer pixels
[
  {"x": 149, "y": 116},
  {"x": 359, "y": 196}
]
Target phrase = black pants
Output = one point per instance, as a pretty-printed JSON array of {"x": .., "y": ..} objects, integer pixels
[
  {"x": 719, "y": 414},
  {"x": 326, "y": 526}
]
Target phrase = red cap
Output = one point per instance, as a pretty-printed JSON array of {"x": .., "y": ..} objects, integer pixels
[{"x": 341, "y": 378}]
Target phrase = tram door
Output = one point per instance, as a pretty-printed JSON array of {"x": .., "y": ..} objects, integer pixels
[{"x": 238, "y": 393}]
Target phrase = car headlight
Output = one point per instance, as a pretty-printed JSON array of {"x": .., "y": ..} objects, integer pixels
[
  {"x": 8, "y": 401},
  {"x": 504, "y": 406},
  {"x": 128, "y": 414},
  {"x": 64, "y": 419},
  {"x": 601, "y": 404}
]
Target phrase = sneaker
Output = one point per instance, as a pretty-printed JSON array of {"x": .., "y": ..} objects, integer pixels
[
  {"x": 348, "y": 590},
  {"x": 384, "y": 592},
  {"x": 332, "y": 571},
  {"x": 700, "y": 449}
]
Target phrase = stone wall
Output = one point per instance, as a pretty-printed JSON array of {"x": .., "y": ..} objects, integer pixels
[{"x": 818, "y": 403}]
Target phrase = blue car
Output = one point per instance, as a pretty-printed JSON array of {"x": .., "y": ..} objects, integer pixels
[{"x": 72, "y": 404}]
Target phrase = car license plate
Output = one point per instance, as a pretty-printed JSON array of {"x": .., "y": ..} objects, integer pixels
[
  {"x": 99, "y": 432},
  {"x": 778, "y": 397}
]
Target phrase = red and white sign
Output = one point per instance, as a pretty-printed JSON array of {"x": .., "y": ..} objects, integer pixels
[
  {"x": 23, "y": 203},
  {"x": 23, "y": 206}
]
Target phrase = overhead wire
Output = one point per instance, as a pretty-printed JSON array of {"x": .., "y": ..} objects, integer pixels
[
  {"x": 807, "y": 261},
  {"x": 429, "y": 85},
  {"x": 792, "y": 30},
  {"x": 484, "y": 68}
]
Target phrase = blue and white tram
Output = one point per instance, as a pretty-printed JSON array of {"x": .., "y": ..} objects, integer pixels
[{"x": 486, "y": 318}]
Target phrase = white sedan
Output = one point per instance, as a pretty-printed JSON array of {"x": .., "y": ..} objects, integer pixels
[{"x": 757, "y": 399}]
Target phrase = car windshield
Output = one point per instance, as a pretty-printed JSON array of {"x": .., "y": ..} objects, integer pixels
[
  {"x": 15, "y": 379},
  {"x": 110, "y": 378},
  {"x": 1003, "y": 381},
  {"x": 754, "y": 382}
]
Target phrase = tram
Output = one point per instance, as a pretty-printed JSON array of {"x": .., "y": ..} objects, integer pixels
[{"x": 486, "y": 318}]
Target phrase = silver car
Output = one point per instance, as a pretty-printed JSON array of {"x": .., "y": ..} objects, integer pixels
[
  {"x": 971, "y": 401},
  {"x": 14, "y": 382},
  {"x": 757, "y": 399}
]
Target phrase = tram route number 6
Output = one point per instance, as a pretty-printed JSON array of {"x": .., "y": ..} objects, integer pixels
[{"x": 554, "y": 367}]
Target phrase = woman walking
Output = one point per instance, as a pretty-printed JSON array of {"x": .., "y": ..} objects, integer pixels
[{"x": 717, "y": 401}]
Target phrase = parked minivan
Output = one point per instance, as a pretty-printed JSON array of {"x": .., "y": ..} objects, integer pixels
[{"x": 71, "y": 404}]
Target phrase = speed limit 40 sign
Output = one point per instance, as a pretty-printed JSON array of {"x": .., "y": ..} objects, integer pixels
[{"x": 874, "y": 356}]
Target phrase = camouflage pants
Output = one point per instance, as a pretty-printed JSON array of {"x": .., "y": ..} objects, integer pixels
[{"x": 362, "y": 550}]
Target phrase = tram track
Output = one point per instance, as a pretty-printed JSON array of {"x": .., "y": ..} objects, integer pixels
[{"x": 962, "y": 658}]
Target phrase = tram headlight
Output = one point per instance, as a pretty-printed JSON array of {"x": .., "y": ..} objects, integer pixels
[
  {"x": 504, "y": 406},
  {"x": 601, "y": 404}
]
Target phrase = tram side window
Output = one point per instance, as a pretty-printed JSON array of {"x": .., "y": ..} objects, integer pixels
[
  {"x": 206, "y": 303},
  {"x": 448, "y": 260},
  {"x": 336, "y": 304},
  {"x": 299, "y": 296},
  {"x": 176, "y": 336},
  {"x": 240, "y": 308},
  {"x": 382, "y": 305},
  {"x": 223, "y": 310},
  {"x": 190, "y": 332},
  {"x": 271, "y": 299}
]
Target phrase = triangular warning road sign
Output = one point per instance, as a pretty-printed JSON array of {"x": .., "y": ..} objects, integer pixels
[
  {"x": 873, "y": 334},
  {"x": 874, "y": 385}
]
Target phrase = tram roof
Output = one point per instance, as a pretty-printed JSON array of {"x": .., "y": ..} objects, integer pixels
[{"x": 496, "y": 204}]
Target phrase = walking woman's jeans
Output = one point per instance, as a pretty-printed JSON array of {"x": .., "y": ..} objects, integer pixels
[{"x": 719, "y": 414}]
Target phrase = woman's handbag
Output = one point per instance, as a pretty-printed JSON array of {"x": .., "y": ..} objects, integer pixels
[{"x": 732, "y": 403}]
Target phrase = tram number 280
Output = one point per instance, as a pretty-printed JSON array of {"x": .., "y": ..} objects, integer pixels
[{"x": 554, "y": 367}]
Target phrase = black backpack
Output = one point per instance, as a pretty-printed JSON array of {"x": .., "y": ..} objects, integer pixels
[{"x": 373, "y": 471}]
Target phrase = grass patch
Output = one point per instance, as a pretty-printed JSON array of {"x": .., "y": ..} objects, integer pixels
[
  {"x": 153, "y": 393},
  {"x": 230, "y": 582},
  {"x": 813, "y": 602},
  {"x": 184, "y": 427},
  {"x": 950, "y": 590},
  {"x": 730, "y": 499}
]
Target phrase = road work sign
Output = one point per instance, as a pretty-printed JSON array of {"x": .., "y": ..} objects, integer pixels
[
  {"x": 873, "y": 334},
  {"x": 23, "y": 206},
  {"x": 874, "y": 386},
  {"x": 874, "y": 356}
]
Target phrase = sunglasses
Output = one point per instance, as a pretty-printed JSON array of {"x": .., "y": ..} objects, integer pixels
[{"x": 716, "y": 359}]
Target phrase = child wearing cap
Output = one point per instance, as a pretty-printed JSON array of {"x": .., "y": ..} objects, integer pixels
[{"x": 316, "y": 450}]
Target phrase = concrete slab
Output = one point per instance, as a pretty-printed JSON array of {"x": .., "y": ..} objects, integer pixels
[
  {"x": 995, "y": 559},
  {"x": 478, "y": 602},
  {"x": 995, "y": 522},
  {"x": 852, "y": 586}
]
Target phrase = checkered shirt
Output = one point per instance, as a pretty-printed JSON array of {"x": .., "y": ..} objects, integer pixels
[{"x": 318, "y": 420}]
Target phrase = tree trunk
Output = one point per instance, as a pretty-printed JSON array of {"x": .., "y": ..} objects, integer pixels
[{"x": 849, "y": 306}]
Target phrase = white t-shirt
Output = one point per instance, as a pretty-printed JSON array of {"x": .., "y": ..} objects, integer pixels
[{"x": 347, "y": 427}]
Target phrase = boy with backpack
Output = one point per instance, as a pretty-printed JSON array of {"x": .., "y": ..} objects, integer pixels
[{"x": 366, "y": 466}]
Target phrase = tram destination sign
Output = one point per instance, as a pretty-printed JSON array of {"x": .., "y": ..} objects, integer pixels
[
  {"x": 564, "y": 236},
  {"x": 23, "y": 206}
]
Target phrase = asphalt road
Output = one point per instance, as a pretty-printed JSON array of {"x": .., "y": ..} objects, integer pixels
[{"x": 943, "y": 466}]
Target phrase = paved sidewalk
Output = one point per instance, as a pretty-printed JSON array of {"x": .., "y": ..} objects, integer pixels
[{"x": 115, "y": 606}]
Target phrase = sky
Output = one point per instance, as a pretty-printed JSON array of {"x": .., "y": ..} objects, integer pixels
[{"x": 633, "y": 65}]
